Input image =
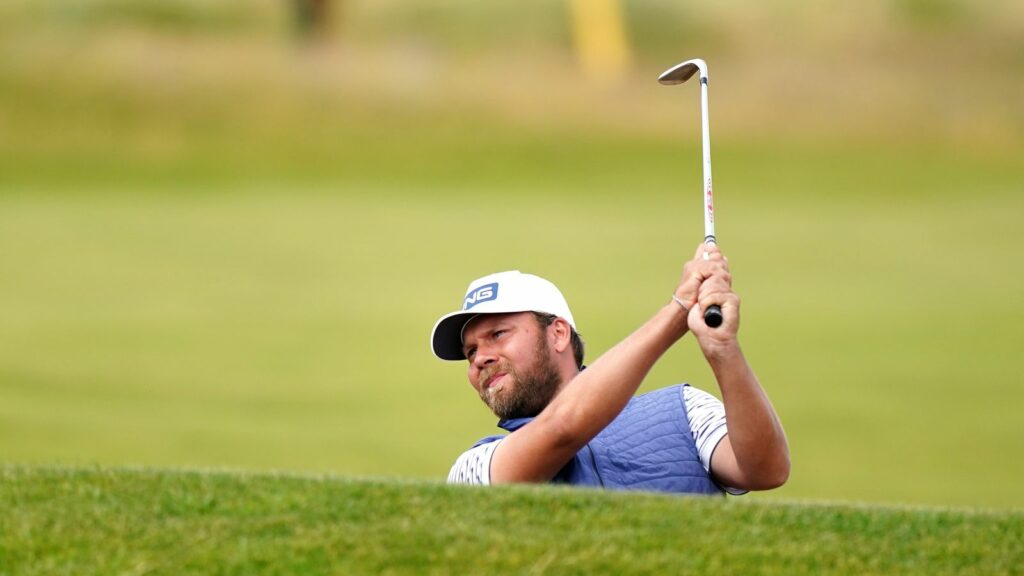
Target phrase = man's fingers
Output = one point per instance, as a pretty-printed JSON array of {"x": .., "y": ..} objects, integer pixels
[
  {"x": 713, "y": 269},
  {"x": 711, "y": 251},
  {"x": 710, "y": 269},
  {"x": 715, "y": 288},
  {"x": 708, "y": 265}
]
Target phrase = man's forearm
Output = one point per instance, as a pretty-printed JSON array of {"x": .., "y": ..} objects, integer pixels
[
  {"x": 755, "y": 433},
  {"x": 598, "y": 394}
]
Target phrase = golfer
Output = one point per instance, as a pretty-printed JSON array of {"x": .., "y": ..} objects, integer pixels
[{"x": 571, "y": 425}]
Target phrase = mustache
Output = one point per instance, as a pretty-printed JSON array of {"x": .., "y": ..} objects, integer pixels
[{"x": 486, "y": 373}]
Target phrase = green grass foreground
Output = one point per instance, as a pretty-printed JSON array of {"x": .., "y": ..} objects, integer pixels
[{"x": 118, "y": 521}]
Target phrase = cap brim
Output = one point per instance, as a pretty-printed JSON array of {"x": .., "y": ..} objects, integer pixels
[{"x": 446, "y": 339}]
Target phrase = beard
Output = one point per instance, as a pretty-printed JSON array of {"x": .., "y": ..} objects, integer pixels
[{"x": 526, "y": 392}]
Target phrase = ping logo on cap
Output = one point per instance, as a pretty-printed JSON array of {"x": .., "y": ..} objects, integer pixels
[{"x": 484, "y": 293}]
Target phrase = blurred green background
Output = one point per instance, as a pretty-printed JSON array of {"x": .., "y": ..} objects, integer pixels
[{"x": 225, "y": 236}]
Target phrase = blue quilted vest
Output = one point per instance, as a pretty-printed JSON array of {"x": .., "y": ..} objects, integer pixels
[{"x": 649, "y": 446}]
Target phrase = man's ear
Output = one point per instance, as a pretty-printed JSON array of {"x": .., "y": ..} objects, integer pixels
[{"x": 560, "y": 333}]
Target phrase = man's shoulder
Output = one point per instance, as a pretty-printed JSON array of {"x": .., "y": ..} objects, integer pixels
[
  {"x": 684, "y": 390},
  {"x": 664, "y": 405},
  {"x": 659, "y": 394}
]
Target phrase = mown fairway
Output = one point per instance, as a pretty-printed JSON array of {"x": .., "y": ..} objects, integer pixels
[
  {"x": 221, "y": 249},
  {"x": 288, "y": 328},
  {"x": 158, "y": 522}
]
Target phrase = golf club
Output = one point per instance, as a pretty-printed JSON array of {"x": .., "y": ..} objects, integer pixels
[{"x": 677, "y": 75}]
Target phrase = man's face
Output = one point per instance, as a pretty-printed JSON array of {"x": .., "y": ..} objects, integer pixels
[{"x": 510, "y": 363}]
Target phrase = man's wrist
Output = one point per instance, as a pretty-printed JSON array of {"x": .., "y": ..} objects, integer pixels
[
  {"x": 678, "y": 300},
  {"x": 724, "y": 355},
  {"x": 677, "y": 317}
]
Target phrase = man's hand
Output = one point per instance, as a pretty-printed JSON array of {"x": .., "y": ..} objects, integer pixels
[{"x": 706, "y": 281}]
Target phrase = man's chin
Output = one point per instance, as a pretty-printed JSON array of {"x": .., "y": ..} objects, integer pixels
[{"x": 510, "y": 413}]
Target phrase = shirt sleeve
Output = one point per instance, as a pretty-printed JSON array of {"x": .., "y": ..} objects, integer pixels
[
  {"x": 474, "y": 465},
  {"x": 707, "y": 424}
]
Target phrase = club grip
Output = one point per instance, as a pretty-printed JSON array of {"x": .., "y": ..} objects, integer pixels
[{"x": 713, "y": 316}]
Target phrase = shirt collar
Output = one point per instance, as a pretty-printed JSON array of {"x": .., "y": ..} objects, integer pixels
[{"x": 513, "y": 424}]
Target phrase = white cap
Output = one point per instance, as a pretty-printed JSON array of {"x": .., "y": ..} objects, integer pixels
[{"x": 500, "y": 293}]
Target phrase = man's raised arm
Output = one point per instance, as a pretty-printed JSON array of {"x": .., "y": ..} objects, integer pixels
[{"x": 754, "y": 455}]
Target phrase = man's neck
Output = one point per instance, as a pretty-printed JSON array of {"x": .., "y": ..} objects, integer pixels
[{"x": 567, "y": 375}]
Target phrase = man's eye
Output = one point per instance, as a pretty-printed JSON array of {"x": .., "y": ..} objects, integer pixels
[
  {"x": 499, "y": 333},
  {"x": 470, "y": 353}
]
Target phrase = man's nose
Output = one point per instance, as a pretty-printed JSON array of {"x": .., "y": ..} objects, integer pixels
[{"x": 484, "y": 357}]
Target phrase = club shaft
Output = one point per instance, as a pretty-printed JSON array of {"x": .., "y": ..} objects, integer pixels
[
  {"x": 709, "y": 206},
  {"x": 713, "y": 315}
]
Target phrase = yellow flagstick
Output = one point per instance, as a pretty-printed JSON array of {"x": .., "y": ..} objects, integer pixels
[{"x": 599, "y": 33}]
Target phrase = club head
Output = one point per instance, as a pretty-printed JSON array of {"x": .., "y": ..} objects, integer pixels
[{"x": 682, "y": 72}]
